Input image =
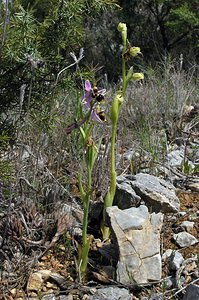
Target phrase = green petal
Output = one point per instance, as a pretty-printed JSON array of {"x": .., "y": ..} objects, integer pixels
[{"x": 138, "y": 76}]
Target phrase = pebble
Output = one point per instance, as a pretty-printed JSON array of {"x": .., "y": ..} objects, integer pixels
[
  {"x": 187, "y": 225},
  {"x": 184, "y": 239},
  {"x": 176, "y": 259}
]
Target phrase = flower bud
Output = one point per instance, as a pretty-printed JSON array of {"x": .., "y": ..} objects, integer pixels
[
  {"x": 121, "y": 27},
  {"x": 134, "y": 51},
  {"x": 138, "y": 76},
  {"x": 117, "y": 101}
]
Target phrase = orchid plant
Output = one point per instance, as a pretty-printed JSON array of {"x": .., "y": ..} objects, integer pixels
[
  {"x": 127, "y": 76},
  {"x": 92, "y": 100}
]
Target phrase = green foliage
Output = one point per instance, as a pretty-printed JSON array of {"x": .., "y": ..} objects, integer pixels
[
  {"x": 4, "y": 139},
  {"x": 37, "y": 38},
  {"x": 183, "y": 18},
  {"x": 21, "y": 38}
]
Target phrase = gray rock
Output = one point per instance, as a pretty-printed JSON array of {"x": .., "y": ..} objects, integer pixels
[
  {"x": 125, "y": 196},
  {"x": 158, "y": 194},
  {"x": 66, "y": 297},
  {"x": 166, "y": 254},
  {"x": 192, "y": 292},
  {"x": 168, "y": 282},
  {"x": 49, "y": 297},
  {"x": 157, "y": 296},
  {"x": 192, "y": 184},
  {"x": 187, "y": 225},
  {"x": 176, "y": 157},
  {"x": 182, "y": 213},
  {"x": 174, "y": 258},
  {"x": 137, "y": 237},
  {"x": 184, "y": 239},
  {"x": 112, "y": 293},
  {"x": 58, "y": 279},
  {"x": 128, "y": 155}
]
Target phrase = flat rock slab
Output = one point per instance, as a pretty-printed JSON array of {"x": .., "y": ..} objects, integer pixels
[
  {"x": 136, "y": 234},
  {"x": 158, "y": 194}
]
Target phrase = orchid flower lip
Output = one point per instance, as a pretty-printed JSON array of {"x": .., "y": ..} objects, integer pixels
[{"x": 98, "y": 116}]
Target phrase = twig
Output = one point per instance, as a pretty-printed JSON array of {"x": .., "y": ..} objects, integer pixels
[
  {"x": 28, "y": 183},
  {"x": 194, "y": 281},
  {"x": 77, "y": 60}
]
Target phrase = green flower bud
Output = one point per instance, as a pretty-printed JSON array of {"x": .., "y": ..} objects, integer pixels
[
  {"x": 137, "y": 76},
  {"x": 121, "y": 27},
  {"x": 117, "y": 101},
  {"x": 120, "y": 98},
  {"x": 134, "y": 51}
]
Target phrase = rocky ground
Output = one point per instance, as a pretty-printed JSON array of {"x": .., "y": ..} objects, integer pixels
[
  {"x": 54, "y": 275},
  {"x": 39, "y": 249}
]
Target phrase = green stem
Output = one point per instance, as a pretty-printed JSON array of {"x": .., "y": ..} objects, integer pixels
[
  {"x": 85, "y": 240},
  {"x": 124, "y": 83},
  {"x": 85, "y": 220},
  {"x": 113, "y": 173},
  {"x": 108, "y": 201}
]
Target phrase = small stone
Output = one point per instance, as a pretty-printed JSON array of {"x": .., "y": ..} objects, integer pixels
[
  {"x": 182, "y": 213},
  {"x": 64, "y": 297},
  {"x": 167, "y": 283},
  {"x": 86, "y": 297},
  {"x": 187, "y": 225},
  {"x": 13, "y": 291},
  {"x": 35, "y": 282},
  {"x": 49, "y": 297},
  {"x": 33, "y": 294},
  {"x": 50, "y": 285},
  {"x": 195, "y": 274},
  {"x": 112, "y": 293},
  {"x": 166, "y": 254},
  {"x": 176, "y": 259},
  {"x": 176, "y": 157},
  {"x": 190, "y": 267},
  {"x": 184, "y": 239},
  {"x": 62, "y": 248}
]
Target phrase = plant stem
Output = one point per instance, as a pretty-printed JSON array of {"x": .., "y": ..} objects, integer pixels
[
  {"x": 113, "y": 173},
  {"x": 85, "y": 240},
  {"x": 124, "y": 83},
  {"x": 108, "y": 201}
]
